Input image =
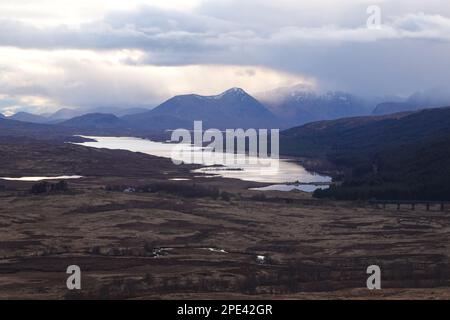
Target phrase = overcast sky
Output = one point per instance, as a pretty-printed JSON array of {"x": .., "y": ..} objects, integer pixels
[{"x": 87, "y": 53}]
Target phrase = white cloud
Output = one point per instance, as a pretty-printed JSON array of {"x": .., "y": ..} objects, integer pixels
[
  {"x": 51, "y": 79},
  {"x": 152, "y": 29},
  {"x": 56, "y": 12},
  {"x": 140, "y": 52}
]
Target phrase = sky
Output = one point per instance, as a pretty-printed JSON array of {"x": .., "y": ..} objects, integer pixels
[{"x": 92, "y": 53}]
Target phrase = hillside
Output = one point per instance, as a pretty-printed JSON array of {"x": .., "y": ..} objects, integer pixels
[
  {"x": 90, "y": 124},
  {"x": 402, "y": 156},
  {"x": 95, "y": 121},
  {"x": 14, "y": 128}
]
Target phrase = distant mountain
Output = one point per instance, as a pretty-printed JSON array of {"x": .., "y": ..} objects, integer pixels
[
  {"x": 129, "y": 111},
  {"x": 28, "y": 117},
  {"x": 393, "y": 107},
  {"x": 233, "y": 108},
  {"x": 147, "y": 121},
  {"x": 94, "y": 121},
  {"x": 399, "y": 156},
  {"x": 2, "y": 116},
  {"x": 64, "y": 114},
  {"x": 90, "y": 124},
  {"x": 118, "y": 112},
  {"x": 111, "y": 124},
  {"x": 14, "y": 128},
  {"x": 434, "y": 98},
  {"x": 299, "y": 105}
]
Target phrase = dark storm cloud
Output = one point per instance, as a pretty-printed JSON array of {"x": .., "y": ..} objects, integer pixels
[{"x": 322, "y": 40}]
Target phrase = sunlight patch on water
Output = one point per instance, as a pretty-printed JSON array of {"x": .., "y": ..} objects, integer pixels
[
  {"x": 41, "y": 178},
  {"x": 238, "y": 166}
]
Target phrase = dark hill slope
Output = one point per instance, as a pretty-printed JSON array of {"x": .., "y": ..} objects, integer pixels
[
  {"x": 404, "y": 156},
  {"x": 94, "y": 121},
  {"x": 13, "y": 128}
]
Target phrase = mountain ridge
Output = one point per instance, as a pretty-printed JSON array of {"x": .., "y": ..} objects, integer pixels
[{"x": 28, "y": 117}]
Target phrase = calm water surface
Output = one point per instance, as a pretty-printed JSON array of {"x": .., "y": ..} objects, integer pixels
[{"x": 226, "y": 165}]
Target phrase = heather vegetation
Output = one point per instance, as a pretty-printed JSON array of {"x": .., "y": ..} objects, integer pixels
[
  {"x": 47, "y": 187},
  {"x": 177, "y": 189}
]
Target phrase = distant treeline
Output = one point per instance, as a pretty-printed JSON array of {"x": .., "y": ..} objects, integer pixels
[
  {"x": 47, "y": 187},
  {"x": 385, "y": 192}
]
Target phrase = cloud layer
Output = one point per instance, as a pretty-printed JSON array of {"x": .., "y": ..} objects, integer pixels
[{"x": 148, "y": 50}]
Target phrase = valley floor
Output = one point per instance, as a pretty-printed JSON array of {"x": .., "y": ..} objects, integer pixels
[
  {"x": 156, "y": 246},
  {"x": 161, "y": 246}
]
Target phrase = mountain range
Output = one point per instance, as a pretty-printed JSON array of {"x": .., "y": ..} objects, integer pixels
[
  {"x": 29, "y": 117},
  {"x": 64, "y": 114},
  {"x": 299, "y": 105},
  {"x": 434, "y": 98},
  {"x": 233, "y": 108},
  {"x": 280, "y": 108}
]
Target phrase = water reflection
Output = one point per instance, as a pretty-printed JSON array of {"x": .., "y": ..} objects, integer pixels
[{"x": 227, "y": 165}]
